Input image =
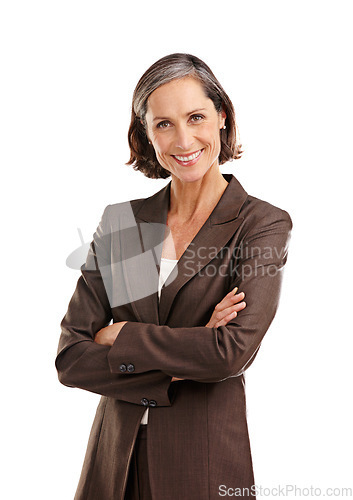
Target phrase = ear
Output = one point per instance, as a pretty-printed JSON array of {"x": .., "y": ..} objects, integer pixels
[{"x": 222, "y": 118}]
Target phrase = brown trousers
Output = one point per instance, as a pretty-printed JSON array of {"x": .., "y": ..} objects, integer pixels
[{"x": 138, "y": 485}]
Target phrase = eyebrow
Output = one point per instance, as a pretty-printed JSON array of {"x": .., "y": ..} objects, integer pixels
[{"x": 187, "y": 114}]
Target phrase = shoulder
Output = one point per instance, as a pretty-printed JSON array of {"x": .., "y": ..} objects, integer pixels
[
  {"x": 253, "y": 211},
  {"x": 121, "y": 214},
  {"x": 258, "y": 213}
]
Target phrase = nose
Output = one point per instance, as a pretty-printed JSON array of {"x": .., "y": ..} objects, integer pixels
[{"x": 183, "y": 138}]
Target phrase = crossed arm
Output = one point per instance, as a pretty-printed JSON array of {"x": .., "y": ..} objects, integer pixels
[
  {"x": 91, "y": 351},
  {"x": 224, "y": 311}
]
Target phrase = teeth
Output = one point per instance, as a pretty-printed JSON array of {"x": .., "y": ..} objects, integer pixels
[{"x": 188, "y": 158}]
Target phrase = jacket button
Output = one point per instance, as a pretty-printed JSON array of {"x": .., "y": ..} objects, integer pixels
[
  {"x": 144, "y": 402},
  {"x": 153, "y": 403},
  {"x": 122, "y": 368},
  {"x": 130, "y": 367}
]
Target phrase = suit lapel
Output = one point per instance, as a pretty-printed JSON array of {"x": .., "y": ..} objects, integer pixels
[{"x": 151, "y": 218}]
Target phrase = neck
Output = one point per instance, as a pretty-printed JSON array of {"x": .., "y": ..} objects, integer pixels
[{"x": 189, "y": 200}]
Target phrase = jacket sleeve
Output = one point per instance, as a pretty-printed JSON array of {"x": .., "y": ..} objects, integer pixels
[
  {"x": 83, "y": 363},
  {"x": 207, "y": 354}
]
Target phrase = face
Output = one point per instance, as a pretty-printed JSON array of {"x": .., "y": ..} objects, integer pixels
[{"x": 184, "y": 129}]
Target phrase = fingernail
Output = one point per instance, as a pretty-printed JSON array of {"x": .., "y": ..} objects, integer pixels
[{"x": 235, "y": 289}]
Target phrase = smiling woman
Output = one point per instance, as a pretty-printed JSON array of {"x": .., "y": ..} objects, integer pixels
[
  {"x": 171, "y": 423},
  {"x": 201, "y": 98},
  {"x": 184, "y": 139}
]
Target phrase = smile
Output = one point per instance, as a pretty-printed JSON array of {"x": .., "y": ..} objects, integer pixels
[{"x": 188, "y": 159}]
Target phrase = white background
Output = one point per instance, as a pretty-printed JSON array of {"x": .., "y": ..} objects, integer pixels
[{"x": 68, "y": 72}]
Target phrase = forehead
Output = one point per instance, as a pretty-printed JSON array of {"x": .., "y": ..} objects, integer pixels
[{"x": 177, "y": 95}]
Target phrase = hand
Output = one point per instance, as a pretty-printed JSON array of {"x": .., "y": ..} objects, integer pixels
[
  {"x": 107, "y": 335},
  {"x": 227, "y": 309}
]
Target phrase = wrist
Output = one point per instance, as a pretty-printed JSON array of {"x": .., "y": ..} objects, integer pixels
[{"x": 115, "y": 332}]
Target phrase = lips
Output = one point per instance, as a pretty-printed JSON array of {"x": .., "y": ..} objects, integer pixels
[{"x": 189, "y": 159}]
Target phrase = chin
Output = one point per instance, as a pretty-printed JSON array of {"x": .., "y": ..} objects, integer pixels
[{"x": 189, "y": 176}]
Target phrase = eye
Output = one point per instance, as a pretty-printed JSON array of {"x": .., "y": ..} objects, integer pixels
[
  {"x": 196, "y": 118},
  {"x": 162, "y": 124}
]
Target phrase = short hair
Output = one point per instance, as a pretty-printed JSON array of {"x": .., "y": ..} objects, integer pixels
[{"x": 168, "y": 68}]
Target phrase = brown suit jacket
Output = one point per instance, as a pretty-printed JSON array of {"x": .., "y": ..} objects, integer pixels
[{"x": 197, "y": 430}]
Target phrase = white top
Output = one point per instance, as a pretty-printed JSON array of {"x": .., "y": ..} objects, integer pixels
[{"x": 167, "y": 266}]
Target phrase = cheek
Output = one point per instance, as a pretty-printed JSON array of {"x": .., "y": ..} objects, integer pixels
[
  {"x": 210, "y": 132},
  {"x": 161, "y": 145},
  {"x": 212, "y": 137}
]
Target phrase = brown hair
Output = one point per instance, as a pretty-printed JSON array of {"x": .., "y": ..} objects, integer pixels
[{"x": 166, "y": 69}]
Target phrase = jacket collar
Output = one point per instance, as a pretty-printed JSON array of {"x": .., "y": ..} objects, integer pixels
[{"x": 155, "y": 208}]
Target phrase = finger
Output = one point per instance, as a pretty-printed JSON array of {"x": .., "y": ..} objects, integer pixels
[
  {"x": 237, "y": 298},
  {"x": 232, "y": 292},
  {"x": 220, "y": 315},
  {"x": 238, "y": 307},
  {"x": 229, "y": 310},
  {"x": 228, "y": 301},
  {"x": 226, "y": 319}
]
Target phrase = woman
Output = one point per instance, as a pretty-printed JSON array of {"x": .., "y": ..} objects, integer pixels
[{"x": 171, "y": 422}]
